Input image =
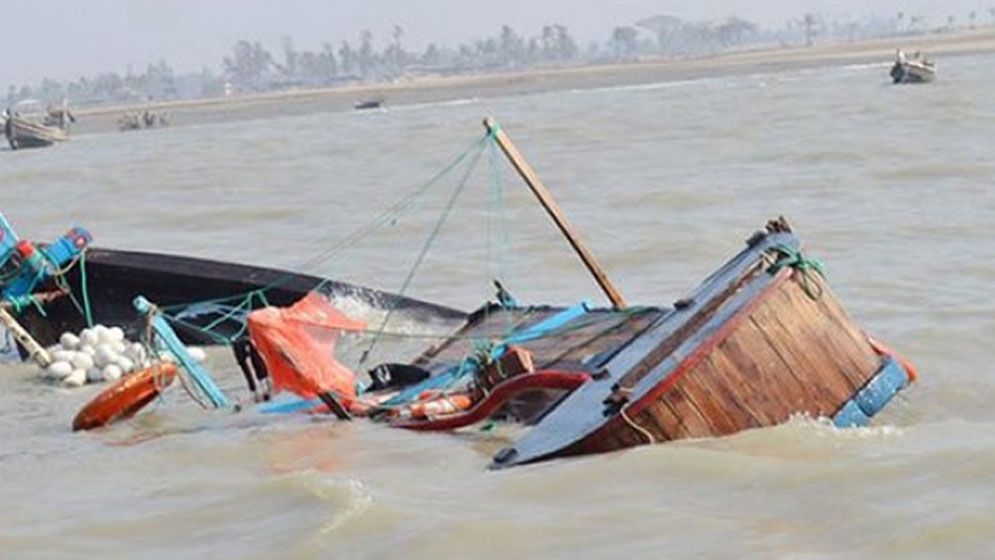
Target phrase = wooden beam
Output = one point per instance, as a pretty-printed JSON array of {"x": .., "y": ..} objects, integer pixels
[
  {"x": 546, "y": 200},
  {"x": 35, "y": 351}
]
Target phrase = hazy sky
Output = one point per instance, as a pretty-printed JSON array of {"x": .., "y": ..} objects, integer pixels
[{"x": 67, "y": 38}]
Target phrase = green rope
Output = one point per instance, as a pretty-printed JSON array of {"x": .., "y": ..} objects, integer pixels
[
  {"x": 86, "y": 291},
  {"x": 427, "y": 245},
  {"x": 246, "y": 306},
  {"x": 388, "y": 217},
  {"x": 497, "y": 202},
  {"x": 20, "y": 303},
  {"x": 803, "y": 265}
]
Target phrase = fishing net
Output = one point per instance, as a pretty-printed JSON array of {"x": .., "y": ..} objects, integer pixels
[{"x": 297, "y": 344}]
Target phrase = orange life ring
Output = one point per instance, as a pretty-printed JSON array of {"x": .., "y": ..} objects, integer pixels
[{"x": 125, "y": 397}]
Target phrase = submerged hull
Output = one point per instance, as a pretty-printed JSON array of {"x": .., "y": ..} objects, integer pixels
[
  {"x": 114, "y": 278},
  {"x": 748, "y": 349}
]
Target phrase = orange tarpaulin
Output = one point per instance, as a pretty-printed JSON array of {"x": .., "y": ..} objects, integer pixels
[{"x": 297, "y": 344}]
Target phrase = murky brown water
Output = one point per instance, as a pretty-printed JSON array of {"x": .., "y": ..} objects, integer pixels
[{"x": 891, "y": 186}]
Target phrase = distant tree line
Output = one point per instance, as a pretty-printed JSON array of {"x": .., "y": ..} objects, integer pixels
[{"x": 251, "y": 67}]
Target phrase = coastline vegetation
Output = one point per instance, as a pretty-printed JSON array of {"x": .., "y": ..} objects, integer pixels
[{"x": 251, "y": 67}]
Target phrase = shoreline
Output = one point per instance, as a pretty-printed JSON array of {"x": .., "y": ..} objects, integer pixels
[{"x": 437, "y": 89}]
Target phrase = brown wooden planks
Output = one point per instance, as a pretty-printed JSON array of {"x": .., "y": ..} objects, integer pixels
[
  {"x": 690, "y": 421},
  {"x": 710, "y": 386},
  {"x": 807, "y": 360},
  {"x": 831, "y": 330},
  {"x": 769, "y": 388}
]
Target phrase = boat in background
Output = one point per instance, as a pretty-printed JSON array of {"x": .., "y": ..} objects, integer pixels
[
  {"x": 30, "y": 125},
  {"x": 912, "y": 70},
  {"x": 367, "y": 104},
  {"x": 137, "y": 120}
]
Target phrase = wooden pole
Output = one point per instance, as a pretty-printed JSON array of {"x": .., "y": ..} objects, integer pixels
[
  {"x": 546, "y": 200},
  {"x": 35, "y": 351}
]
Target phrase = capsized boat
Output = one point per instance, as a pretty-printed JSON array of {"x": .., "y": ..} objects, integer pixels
[
  {"x": 762, "y": 339},
  {"x": 912, "y": 70},
  {"x": 81, "y": 284}
]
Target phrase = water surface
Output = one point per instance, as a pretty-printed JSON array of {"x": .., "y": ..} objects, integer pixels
[{"x": 890, "y": 186}]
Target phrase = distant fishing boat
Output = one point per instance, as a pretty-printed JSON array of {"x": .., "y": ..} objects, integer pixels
[
  {"x": 912, "y": 70},
  {"x": 148, "y": 118},
  {"x": 31, "y": 126},
  {"x": 366, "y": 104}
]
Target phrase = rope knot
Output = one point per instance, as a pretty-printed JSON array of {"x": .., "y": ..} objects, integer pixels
[{"x": 803, "y": 266}]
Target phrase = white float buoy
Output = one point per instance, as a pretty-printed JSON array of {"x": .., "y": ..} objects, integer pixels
[
  {"x": 69, "y": 341},
  {"x": 94, "y": 375},
  {"x": 115, "y": 334},
  {"x": 102, "y": 332},
  {"x": 197, "y": 353},
  {"x": 58, "y": 370},
  {"x": 82, "y": 361},
  {"x": 62, "y": 356},
  {"x": 125, "y": 364},
  {"x": 105, "y": 355},
  {"x": 75, "y": 379},
  {"x": 88, "y": 338},
  {"x": 112, "y": 372}
]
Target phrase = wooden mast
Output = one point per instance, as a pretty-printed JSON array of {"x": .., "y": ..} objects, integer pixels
[{"x": 546, "y": 200}]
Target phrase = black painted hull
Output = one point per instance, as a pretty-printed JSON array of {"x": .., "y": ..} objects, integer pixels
[{"x": 115, "y": 277}]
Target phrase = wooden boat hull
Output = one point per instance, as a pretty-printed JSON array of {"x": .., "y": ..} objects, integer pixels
[
  {"x": 912, "y": 73},
  {"x": 25, "y": 134},
  {"x": 114, "y": 278},
  {"x": 748, "y": 349}
]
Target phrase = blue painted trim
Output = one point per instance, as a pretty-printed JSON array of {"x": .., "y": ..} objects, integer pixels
[
  {"x": 172, "y": 342},
  {"x": 538, "y": 330},
  {"x": 549, "y": 324},
  {"x": 8, "y": 237},
  {"x": 39, "y": 267},
  {"x": 889, "y": 380},
  {"x": 874, "y": 396},
  {"x": 850, "y": 416},
  {"x": 291, "y": 406}
]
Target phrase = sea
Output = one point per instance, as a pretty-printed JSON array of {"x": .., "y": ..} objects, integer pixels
[{"x": 892, "y": 187}]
